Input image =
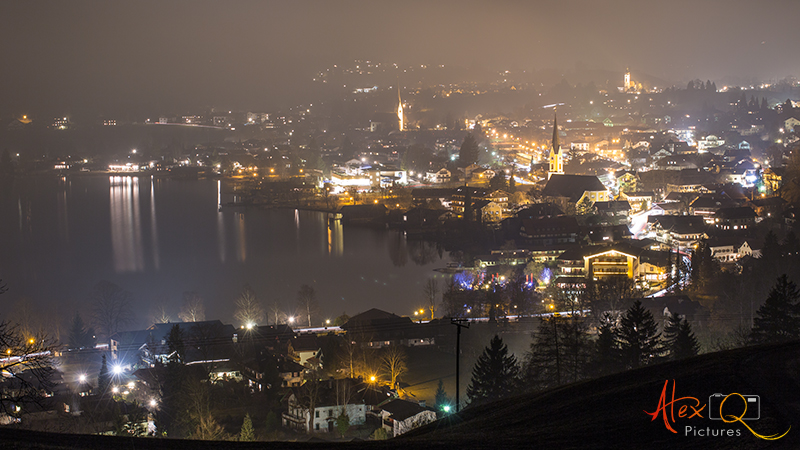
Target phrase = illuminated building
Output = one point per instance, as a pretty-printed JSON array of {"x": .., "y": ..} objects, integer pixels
[
  {"x": 628, "y": 84},
  {"x": 556, "y": 156},
  {"x": 400, "y": 109}
]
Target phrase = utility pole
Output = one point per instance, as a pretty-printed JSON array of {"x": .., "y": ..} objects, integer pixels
[{"x": 459, "y": 323}]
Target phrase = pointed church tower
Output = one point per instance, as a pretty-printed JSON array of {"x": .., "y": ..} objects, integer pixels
[
  {"x": 556, "y": 156},
  {"x": 400, "y": 109}
]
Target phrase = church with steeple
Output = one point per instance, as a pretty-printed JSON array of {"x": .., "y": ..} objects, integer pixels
[
  {"x": 400, "y": 109},
  {"x": 556, "y": 155}
]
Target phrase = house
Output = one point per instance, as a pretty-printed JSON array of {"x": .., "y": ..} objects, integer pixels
[
  {"x": 332, "y": 397},
  {"x": 400, "y": 416},
  {"x": 442, "y": 176},
  {"x": 428, "y": 196},
  {"x": 735, "y": 218},
  {"x": 790, "y": 124},
  {"x": 638, "y": 201},
  {"x": 706, "y": 205},
  {"x": 620, "y": 259},
  {"x": 376, "y": 328},
  {"x": 550, "y": 231},
  {"x": 724, "y": 249},
  {"x": 209, "y": 340},
  {"x": 773, "y": 179},
  {"x": 305, "y": 350},
  {"x": 490, "y": 212},
  {"x": 462, "y": 193},
  {"x": 575, "y": 190},
  {"x": 619, "y": 210},
  {"x": 678, "y": 231},
  {"x": 767, "y": 206}
]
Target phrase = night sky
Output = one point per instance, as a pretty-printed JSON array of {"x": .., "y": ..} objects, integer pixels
[{"x": 112, "y": 56}]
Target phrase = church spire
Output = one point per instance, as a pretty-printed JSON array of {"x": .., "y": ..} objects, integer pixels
[
  {"x": 556, "y": 144},
  {"x": 556, "y": 156},
  {"x": 399, "y": 108}
]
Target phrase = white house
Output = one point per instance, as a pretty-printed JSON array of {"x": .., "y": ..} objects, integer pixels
[{"x": 400, "y": 416}]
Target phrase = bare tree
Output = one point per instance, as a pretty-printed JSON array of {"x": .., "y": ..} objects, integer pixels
[
  {"x": 275, "y": 311},
  {"x": 307, "y": 301},
  {"x": 192, "y": 309},
  {"x": 111, "y": 308},
  {"x": 249, "y": 311},
  {"x": 394, "y": 361},
  {"x": 431, "y": 291},
  {"x": 28, "y": 367},
  {"x": 161, "y": 315}
]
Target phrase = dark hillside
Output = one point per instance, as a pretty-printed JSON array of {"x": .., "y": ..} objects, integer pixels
[{"x": 607, "y": 413}]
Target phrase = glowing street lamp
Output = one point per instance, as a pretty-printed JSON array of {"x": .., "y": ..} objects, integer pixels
[
  {"x": 291, "y": 319},
  {"x": 372, "y": 379},
  {"x": 82, "y": 378}
]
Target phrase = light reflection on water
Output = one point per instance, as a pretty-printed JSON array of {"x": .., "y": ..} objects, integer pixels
[
  {"x": 158, "y": 238},
  {"x": 126, "y": 228}
]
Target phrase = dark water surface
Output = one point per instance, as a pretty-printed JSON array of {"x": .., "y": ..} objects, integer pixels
[{"x": 158, "y": 238}]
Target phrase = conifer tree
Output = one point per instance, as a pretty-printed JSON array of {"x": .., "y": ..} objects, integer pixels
[
  {"x": 468, "y": 154},
  {"x": 247, "y": 434},
  {"x": 606, "y": 349},
  {"x": 778, "y": 319},
  {"x": 638, "y": 337},
  {"x": 103, "y": 377},
  {"x": 679, "y": 339},
  {"x": 495, "y": 375},
  {"x": 440, "y": 399},
  {"x": 559, "y": 353}
]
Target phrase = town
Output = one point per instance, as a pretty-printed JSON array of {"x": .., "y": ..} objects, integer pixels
[{"x": 638, "y": 223}]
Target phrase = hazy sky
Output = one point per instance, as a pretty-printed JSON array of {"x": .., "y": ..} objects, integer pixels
[{"x": 112, "y": 55}]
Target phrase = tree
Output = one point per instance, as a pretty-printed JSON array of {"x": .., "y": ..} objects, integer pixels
[
  {"x": 272, "y": 423},
  {"x": 559, "y": 353},
  {"x": 380, "y": 434},
  {"x": 498, "y": 181},
  {"x": 192, "y": 309},
  {"x": 468, "y": 154},
  {"x": 440, "y": 400},
  {"x": 342, "y": 422},
  {"x": 176, "y": 345},
  {"x": 638, "y": 337},
  {"x": 247, "y": 434},
  {"x": 103, "y": 377},
  {"x": 679, "y": 339},
  {"x": 79, "y": 335},
  {"x": 307, "y": 302},
  {"x": 394, "y": 362},
  {"x": 249, "y": 311},
  {"x": 495, "y": 375},
  {"x": 431, "y": 291},
  {"x": 111, "y": 308},
  {"x": 778, "y": 319},
  {"x": 606, "y": 349}
]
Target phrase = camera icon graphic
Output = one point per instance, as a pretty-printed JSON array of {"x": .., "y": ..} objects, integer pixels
[{"x": 740, "y": 407}]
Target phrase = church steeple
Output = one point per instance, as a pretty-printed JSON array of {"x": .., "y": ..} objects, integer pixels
[
  {"x": 556, "y": 143},
  {"x": 556, "y": 156},
  {"x": 400, "y": 108}
]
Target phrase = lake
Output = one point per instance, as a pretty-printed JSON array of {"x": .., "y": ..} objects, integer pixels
[{"x": 158, "y": 238}]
